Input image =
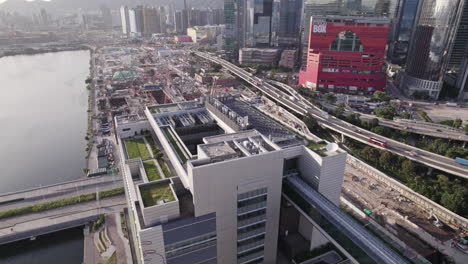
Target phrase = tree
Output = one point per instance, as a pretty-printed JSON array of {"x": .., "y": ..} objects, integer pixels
[
  {"x": 374, "y": 122},
  {"x": 330, "y": 97},
  {"x": 385, "y": 159},
  {"x": 354, "y": 118},
  {"x": 405, "y": 115},
  {"x": 455, "y": 202},
  {"x": 339, "y": 110},
  {"x": 439, "y": 146},
  {"x": 306, "y": 91},
  {"x": 408, "y": 167},
  {"x": 443, "y": 181},
  {"x": 310, "y": 123},
  {"x": 217, "y": 67},
  {"x": 466, "y": 128},
  {"x": 370, "y": 153},
  {"x": 387, "y": 112},
  {"x": 378, "y": 130},
  {"x": 381, "y": 96},
  {"x": 457, "y": 123},
  {"x": 457, "y": 152}
]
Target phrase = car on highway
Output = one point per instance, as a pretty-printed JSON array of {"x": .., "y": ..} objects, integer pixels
[
  {"x": 378, "y": 142},
  {"x": 412, "y": 153}
]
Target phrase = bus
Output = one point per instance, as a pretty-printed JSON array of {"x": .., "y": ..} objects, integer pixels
[
  {"x": 461, "y": 161},
  {"x": 378, "y": 142}
]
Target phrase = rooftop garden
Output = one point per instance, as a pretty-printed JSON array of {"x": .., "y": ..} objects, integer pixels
[
  {"x": 151, "y": 171},
  {"x": 136, "y": 148},
  {"x": 153, "y": 146},
  {"x": 165, "y": 168},
  {"x": 314, "y": 146},
  {"x": 180, "y": 152},
  {"x": 152, "y": 193},
  {"x": 158, "y": 155}
]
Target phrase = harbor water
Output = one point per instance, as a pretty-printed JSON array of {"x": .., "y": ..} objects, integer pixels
[{"x": 43, "y": 117}]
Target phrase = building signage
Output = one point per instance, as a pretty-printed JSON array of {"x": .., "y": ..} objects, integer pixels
[{"x": 319, "y": 27}]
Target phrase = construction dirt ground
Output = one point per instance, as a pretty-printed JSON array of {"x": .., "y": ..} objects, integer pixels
[{"x": 397, "y": 214}]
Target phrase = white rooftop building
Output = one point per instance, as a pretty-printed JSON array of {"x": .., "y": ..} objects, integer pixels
[{"x": 219, "y": 196}]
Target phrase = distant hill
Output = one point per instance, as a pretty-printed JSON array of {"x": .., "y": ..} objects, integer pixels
[{"x": 22, "y": 6}]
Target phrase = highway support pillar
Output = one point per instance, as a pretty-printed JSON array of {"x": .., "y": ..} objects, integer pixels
[
  {"x": 342, "y": 138},
  {"x": 430, "y": 170}
]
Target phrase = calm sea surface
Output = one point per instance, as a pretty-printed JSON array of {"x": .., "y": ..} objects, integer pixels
[
  {"x": 62, "y": 247},
  {"x": 43, "y": 104}
]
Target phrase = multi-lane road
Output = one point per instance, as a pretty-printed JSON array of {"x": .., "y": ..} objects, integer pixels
[
  {"x": 417, "y": 127},
  {"x": 295, "y": 102}
]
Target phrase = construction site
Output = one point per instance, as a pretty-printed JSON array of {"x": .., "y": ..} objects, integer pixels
[{"x": 400, "y": 216}]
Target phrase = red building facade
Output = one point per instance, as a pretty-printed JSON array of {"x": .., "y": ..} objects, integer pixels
[{"x": 346, "y": 54}]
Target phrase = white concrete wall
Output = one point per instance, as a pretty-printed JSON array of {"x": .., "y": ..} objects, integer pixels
[
  {"x": 152, "y": 245},
  {"x": 127, "y": 130},
  {"x": 215, "y": 189},
  {"x": 221, "y": 124},
  {"x": 325, "y": 174},
  {"x": 331, "y": 177},
  {"x": 162, "y": 213},
  {"x": 310, "y": 165},
  {"x": 293, "y": 152}
]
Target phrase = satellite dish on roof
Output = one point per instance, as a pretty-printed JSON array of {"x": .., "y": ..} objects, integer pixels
[{"x": 332, "y": 147}]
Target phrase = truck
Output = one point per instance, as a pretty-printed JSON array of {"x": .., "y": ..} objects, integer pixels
[
  {"x": 378, "y": 142},
  {"x": 461, "y": 161}
]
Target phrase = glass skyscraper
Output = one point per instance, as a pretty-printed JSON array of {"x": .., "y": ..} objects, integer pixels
[
  {"x": 461, "y": 41},
  {"x": 403, "y": 26},
  {"x": 262, "y": 23},
  {"x": 255, "y": 23},
  {"x": 462, "y": 80},
  {"x": 286, "y": 22},
  {"x": 431, "y": 45},
  {"x": 230, "y": 20}
]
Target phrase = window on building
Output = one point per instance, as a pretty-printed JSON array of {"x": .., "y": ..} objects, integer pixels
[{"x": 346, "y": 41}]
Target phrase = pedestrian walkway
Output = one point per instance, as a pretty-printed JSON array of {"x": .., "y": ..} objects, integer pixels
[
  {"x": 91, "y": 254},
  {"x": 120, "y": 243},
  {"x": 156, "y": 162}
]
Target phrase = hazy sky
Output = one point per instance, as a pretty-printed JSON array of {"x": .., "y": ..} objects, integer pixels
[{"x": 1, "y": 1}]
